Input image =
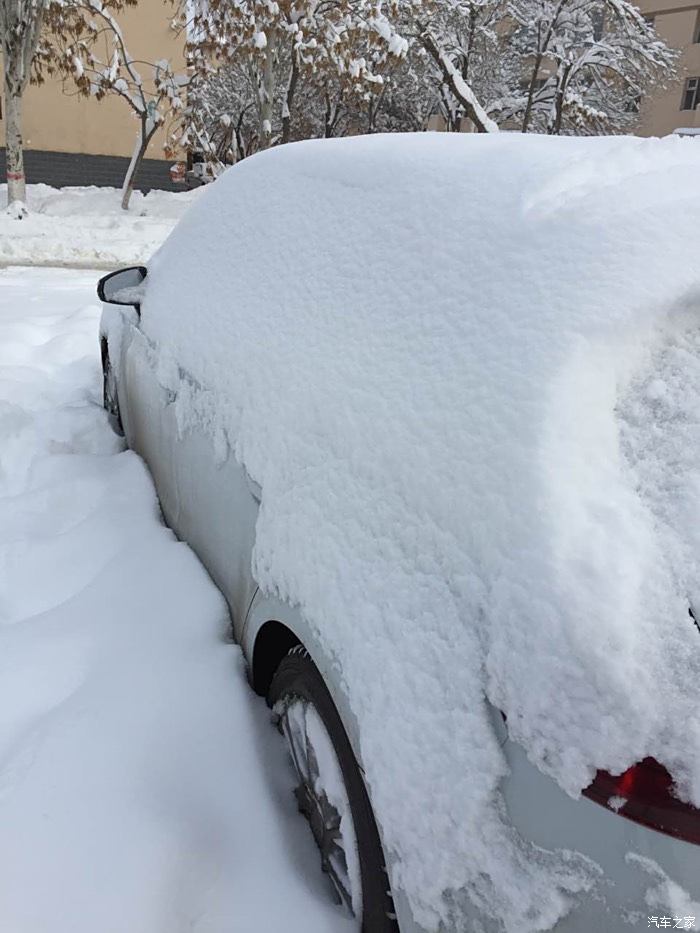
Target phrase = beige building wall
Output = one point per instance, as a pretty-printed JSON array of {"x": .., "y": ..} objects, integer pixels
[
  {"x": 677, "y": 23},
  {"x": 57, "y": 120}
]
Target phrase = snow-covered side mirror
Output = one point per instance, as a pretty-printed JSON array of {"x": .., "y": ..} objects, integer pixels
[{"x": 123, "y": 287}]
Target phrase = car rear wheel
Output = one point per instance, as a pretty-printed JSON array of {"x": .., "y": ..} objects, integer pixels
[{"x": 331, "y": 792}]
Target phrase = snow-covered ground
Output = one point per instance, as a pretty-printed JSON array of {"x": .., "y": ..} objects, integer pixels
[
  {"x": 87, "y": 227},
  {"x": 142, "y": 788}
]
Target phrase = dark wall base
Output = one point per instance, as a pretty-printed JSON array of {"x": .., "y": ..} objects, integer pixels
[{"x": 61, "y": 169}]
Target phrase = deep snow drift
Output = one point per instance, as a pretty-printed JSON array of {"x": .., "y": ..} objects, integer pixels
[
  {"x": 142, "y": 788},
  {"x": 433, "y": 354},
  {"x": 83, "y": 226}
]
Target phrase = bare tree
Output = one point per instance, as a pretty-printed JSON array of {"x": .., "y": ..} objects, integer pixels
[
  {"x": 20, "y": 28},
  {"x": 89, "y": 50}
]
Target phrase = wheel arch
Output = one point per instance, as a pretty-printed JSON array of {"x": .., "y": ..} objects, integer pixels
[
  {"x": 271, "y": 629},
  {"x": 272, "y": 642}
]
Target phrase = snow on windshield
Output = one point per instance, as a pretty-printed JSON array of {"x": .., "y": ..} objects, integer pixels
[{"x": 426, "y": 351}]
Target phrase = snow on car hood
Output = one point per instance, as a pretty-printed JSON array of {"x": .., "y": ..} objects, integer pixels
[{"x": 433, "y": 353}]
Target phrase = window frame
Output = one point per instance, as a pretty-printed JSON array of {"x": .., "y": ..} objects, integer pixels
[{"x": 694, "y": 90}]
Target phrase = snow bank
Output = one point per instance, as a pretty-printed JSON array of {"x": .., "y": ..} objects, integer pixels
[
  {"x": 142, "y": 787},
  {"x": 421, "y": 345},
  {"x": 84, "y": 226}
]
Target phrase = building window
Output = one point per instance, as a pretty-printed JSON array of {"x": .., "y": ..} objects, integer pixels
[
  {"x": 691, "y": 94},
  {"x": 696, "y": 36}
]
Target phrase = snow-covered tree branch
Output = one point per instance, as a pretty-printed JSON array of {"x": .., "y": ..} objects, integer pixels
[
  {"x": 267, "y": 73},
  {"x": 455, "y": 82},
  {"x": 279, "y": 55},
  {"x": 590, "y": 61}
]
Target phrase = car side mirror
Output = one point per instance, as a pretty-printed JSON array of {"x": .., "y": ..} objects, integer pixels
[{"x": 123, "y": 287}]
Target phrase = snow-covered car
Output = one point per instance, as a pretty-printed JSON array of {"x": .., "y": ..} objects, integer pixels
[{"x": 428, "y": 410}]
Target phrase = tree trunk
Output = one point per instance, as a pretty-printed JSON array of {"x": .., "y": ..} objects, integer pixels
[
  {"x": 20, "y": 26},
  {"x": 448, "y": 109},
  {"x": 543, "y": 48},
  {"x": 332, "y": 116},
  {"x": 327, "y": 120},
  {"x": 372, "y": 107},
  {"x": 531, "y": 92},
  {"x": 240, "y": 149},
  {"x": 267, "y": 94},
  {"x": 289, "y": 100},
  {"x": 470, "y": 42},
  {"x": 148, "y": 128},
  {"x": 461, "y": 91},
  {"x": 554, "y": 128},
  {"x": 16, "y": 187}
]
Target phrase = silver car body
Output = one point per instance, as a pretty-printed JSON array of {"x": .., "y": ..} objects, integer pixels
[{"x": 210, "y": 502}]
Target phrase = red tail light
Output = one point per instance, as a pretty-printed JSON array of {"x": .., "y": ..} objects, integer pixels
[{"x": 644, "y": 794}]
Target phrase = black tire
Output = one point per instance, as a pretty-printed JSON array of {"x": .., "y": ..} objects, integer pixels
[
  {"x": 110, "y": 397},
  {"x": 298, "y": 677}
]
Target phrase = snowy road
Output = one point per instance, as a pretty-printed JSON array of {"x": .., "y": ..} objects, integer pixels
[{"x": 142, "y": 788}]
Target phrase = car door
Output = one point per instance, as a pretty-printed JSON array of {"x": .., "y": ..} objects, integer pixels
[
  {"x": 217, "y": 512},
  {"x": 205, "y": 494}
]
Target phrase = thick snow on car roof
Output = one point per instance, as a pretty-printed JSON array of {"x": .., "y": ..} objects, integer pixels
[{"x": 464, "y": 371}]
